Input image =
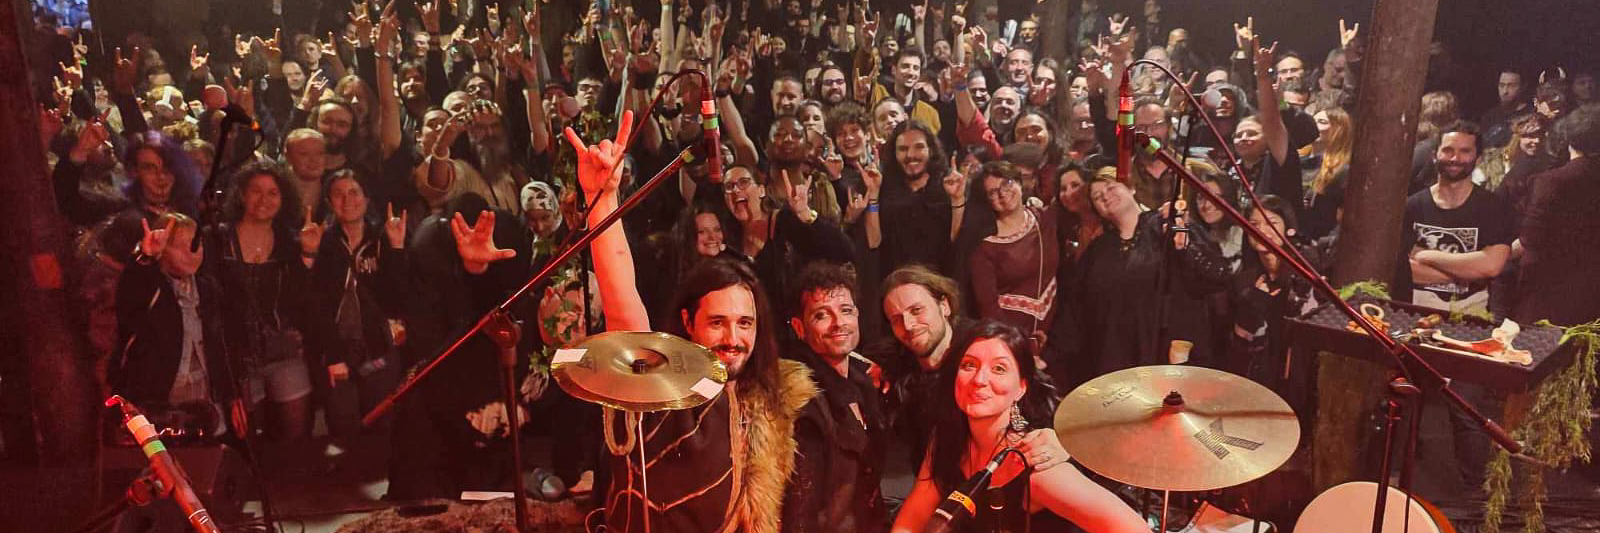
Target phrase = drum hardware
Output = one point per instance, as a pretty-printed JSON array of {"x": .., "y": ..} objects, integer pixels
[
  {"x": 1343, "y": 506},
  {"x": 1406, "y": 359},
  {"x": 637, "y": 372}
]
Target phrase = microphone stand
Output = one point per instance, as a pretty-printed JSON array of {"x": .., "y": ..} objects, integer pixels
[
  {"x": 1179, "y": 205},
  {"x": 1405, "y": 356},
  {"x": 583, "y": 238},
  {"x": 506, "y": 333},
  {"x": 582, "y": 243}
]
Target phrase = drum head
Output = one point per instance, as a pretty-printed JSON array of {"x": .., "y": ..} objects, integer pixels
[{"x": 1348, "y": 507}]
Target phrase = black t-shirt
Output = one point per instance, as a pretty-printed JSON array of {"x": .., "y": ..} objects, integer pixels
[
  {"x": 1482, "y": 221},
  {"x": 1279, "y": 179},
  {"x": 1320, "y": 215}
]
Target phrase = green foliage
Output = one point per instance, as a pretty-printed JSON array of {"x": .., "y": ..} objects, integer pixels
[
  {"x": 1368, "y": 288},
  {"x": 1553, "y": 432}
]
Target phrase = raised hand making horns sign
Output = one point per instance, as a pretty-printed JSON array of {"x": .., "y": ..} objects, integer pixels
[{"x": 600, "y": 166}]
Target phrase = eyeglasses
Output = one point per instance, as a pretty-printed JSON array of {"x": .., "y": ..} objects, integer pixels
[{"x": 738, "y": 184}]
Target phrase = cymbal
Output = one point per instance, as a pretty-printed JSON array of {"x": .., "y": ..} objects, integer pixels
[
  {"x": 1218, "y": 431},
  {"x": 639, "y": 371}
]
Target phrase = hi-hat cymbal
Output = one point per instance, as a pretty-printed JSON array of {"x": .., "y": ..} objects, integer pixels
[
  {"x": 639, "y": 371},
  {"x": 1220, "y": 429}
]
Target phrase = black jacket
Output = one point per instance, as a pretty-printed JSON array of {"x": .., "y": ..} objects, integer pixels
[
  {"x": 377, "y": 273},
  {"x": 150, "y": 337},
  {"x": 842, "y": 436}
]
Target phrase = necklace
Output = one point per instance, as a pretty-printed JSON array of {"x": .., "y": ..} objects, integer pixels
[{"x": 1128, "y": 243}]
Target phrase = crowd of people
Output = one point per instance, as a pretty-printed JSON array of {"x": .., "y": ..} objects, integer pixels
[{"x": 918, "y": 242}]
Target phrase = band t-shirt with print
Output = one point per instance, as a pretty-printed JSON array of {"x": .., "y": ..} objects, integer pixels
[{"x": 1482, "y": 221}]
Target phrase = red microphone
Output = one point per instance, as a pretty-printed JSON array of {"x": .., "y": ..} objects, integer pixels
[
  {"x": 1125, "y": 130},
  {"x": 166, "y": 467},
  {"x": 713, "y": 136}
]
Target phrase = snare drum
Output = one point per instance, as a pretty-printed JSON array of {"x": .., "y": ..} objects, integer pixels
[{"x": 1348, "y": 507}]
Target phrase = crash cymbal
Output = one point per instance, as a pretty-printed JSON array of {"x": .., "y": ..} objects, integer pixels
[
  {"x": 639, "y": 371},
  {"x": 1218, "y": 430}
]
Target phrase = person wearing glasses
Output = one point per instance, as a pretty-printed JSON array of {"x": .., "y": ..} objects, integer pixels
[
  {"x": 772, "y": 235},
  {"x": 1013, "y": 267}
]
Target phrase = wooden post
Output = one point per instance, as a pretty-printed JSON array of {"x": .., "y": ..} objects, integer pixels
[
  {"x": 1394, "y": 64},
  {"x": 36, "y": 240}
]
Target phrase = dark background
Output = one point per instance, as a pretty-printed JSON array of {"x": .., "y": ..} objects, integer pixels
[{"x": 1482, "y": 35}]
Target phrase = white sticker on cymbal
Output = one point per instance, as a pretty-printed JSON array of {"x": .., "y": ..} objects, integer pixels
[
  {"x": 706, "y": 387},
  {"x": 568, "y": 355}
]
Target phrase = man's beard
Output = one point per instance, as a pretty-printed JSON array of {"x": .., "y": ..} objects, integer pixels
[
  {"x": 734, "y": 369},
  {"x": 494, "y": 156},
  {"x": 1464, "y": 171},
  {"x": 335, "y": 144},
  {"x": 998, "y": 125},
  {"x": 833, "y": 97}
]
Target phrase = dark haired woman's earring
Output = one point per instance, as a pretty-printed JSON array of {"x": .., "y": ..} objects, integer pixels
[{"x": 1018, "y": 424}]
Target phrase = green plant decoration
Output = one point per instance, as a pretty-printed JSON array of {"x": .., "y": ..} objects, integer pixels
[{"x": 1553, "y": 430}]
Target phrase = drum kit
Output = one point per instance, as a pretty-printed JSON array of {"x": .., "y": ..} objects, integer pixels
[{"x": 1166, "y": 428}]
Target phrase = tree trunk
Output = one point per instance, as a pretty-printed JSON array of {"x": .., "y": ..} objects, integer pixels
[
  {"x": 1374, "y": 209},
  {"x": 37, "y": 239},
  {"x": 1055, "y": 40}
]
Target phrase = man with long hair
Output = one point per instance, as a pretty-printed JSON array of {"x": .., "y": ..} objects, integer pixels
[
  {"x": 922, "y": 308},
  {"x": 728, "y": 460}
]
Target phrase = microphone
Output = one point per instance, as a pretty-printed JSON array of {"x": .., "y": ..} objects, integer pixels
[
  {"x": 1125, "y": 129},
  {"x": 166, "y": 467},
  {"x": 234, "y": 114},
  {"x": 959, "y": 505},
  {"x": 713, "y": 136}
]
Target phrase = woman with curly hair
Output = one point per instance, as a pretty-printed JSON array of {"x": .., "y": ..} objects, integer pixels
[{"x": 262, "y": 251}]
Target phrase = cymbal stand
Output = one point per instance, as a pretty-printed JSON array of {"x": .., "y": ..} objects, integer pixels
[
  {"x": 1402, "y": 394},
  {"x": 1406, "y": 358},
  {"x": 506, "y": 333},
  {"x": 1166, "y": 507}
]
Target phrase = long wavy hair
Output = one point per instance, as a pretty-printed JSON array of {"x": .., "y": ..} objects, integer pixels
[
  {"x": 760, "y": 371},
  {"x": 1336, "y": 148},
  {"x": 187, "y": 178},
  {"x": 951, "y": 432},
  {"x": 894, "y": 175},
  {"x": 681, "y": 246},
  {"x": 1054, "y": 150},
  {"x": 1438, "y": 109},
  {"x": 289, "y": 217}
]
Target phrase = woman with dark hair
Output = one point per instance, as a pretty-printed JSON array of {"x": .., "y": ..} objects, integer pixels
[
  {"x": 162, "y": 179},
  {"x": 990, "y": 397},
  {"x": 1262, "y": 140},
  {"x": 357, "y": 289},
  {"x": 700, "y": 233},
  {"x": 1115, "y": 289},
  {"x": 261, "y": 251},
  {"x": 1210, "y": 218},
  {"x": 1013, "y": 268},
  {"x": 1263, "y": 293},
  {"x": 771, "y": 237},
  {"x": 1077, "y": 223}
]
